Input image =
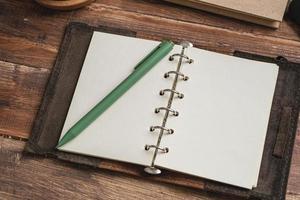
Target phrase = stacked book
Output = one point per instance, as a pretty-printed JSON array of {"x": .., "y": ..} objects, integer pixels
[{"x": 264, "y": 12}]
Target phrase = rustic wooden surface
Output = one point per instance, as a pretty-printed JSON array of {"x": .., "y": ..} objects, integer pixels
[{"x": 29, "y": 40}]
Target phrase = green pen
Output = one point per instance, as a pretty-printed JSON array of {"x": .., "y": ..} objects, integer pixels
[{"x": 140, "y": 70}]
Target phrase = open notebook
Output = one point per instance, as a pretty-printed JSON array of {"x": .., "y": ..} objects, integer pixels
[{"x": 223, "y": 117}]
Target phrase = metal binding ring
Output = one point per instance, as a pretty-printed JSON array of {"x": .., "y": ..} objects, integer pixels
[
  {"x": 180, "y": 95},
  {"x": 152, "y": 170},
  {"x": 174, "y": 112},
  {"x": 186, "y": 44},
  {"x": 189, "y": 60},
  {"x": 169, "y": 130},
  {"x": 164, "y": 150},
  {"x": 185, "y": 78}
]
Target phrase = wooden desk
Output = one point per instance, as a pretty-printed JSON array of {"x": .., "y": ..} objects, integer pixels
[{"x": 29, "y": 41}]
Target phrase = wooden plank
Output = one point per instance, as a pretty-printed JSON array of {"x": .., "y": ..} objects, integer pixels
[
  {"x": 292, "y": 197},
  {"x": 30, "y": 34},
  {"x": 31, "y": 177},
  {"x": 23, "y": 51},
  {"x": 203, "y": 36},
  {"x": 20, "y": 95},
  {"x": 33, "y": 35},
  {"x": 28, "y": 20},
  {"x": 287, "y": 30},
  {"x": 21, "y": 173}
]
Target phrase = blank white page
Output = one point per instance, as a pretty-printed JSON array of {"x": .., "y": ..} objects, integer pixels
[
  {"x": 122, "y": 131},
  {"x": 221, "y": 128}
]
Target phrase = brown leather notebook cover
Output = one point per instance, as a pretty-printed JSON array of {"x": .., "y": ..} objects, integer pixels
[{"x": 278, "y": 145}]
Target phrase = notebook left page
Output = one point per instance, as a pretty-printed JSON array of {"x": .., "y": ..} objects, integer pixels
[{"x": 121, "y": 132}]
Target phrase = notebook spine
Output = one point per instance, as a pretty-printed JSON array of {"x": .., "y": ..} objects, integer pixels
[{"x": 173, "y": 93}]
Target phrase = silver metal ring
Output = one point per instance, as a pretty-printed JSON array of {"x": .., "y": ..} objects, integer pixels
[
  {"x": 180, "y": 95},
  {"x": 164, "y": 150},
  {"x": 185, "y": 78},
  {"x": 168, "y": 130},
  {"x": 174, "y": 112},
  {"x": 189, "y": 60},
  {"x": 152, "y": 170},
  {"x": 186, "y": 44}
]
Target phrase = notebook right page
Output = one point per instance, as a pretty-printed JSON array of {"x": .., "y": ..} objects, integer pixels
[{"x": 222, "y": 125}]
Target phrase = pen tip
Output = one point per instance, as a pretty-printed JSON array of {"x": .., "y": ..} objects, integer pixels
[
  {"x": 61, "y": 143},
  {"x": 58, "y": 145}
]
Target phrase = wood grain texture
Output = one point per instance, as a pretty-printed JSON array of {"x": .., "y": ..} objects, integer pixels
[
  {"x": 20, "y": 95},
  {"x": 30, "y": 36},
  {"x": 26, "y": 176},
  {"x": 202, "y": 36},
  {"x": 21, "y": 173},
  {"x": 287, "y": 29}
]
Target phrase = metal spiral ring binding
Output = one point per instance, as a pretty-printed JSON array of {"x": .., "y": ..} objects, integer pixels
[
  {"x": 180, "y": 95},
  {"x": 174, "y": 112},
  {"x": 151, "y": 169},
  {"x": 185, "y": 78},
  {"x": 189, "y": 60},
  {"x": 164, "y": 150},
  {"x": 168, "y": 130}
]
